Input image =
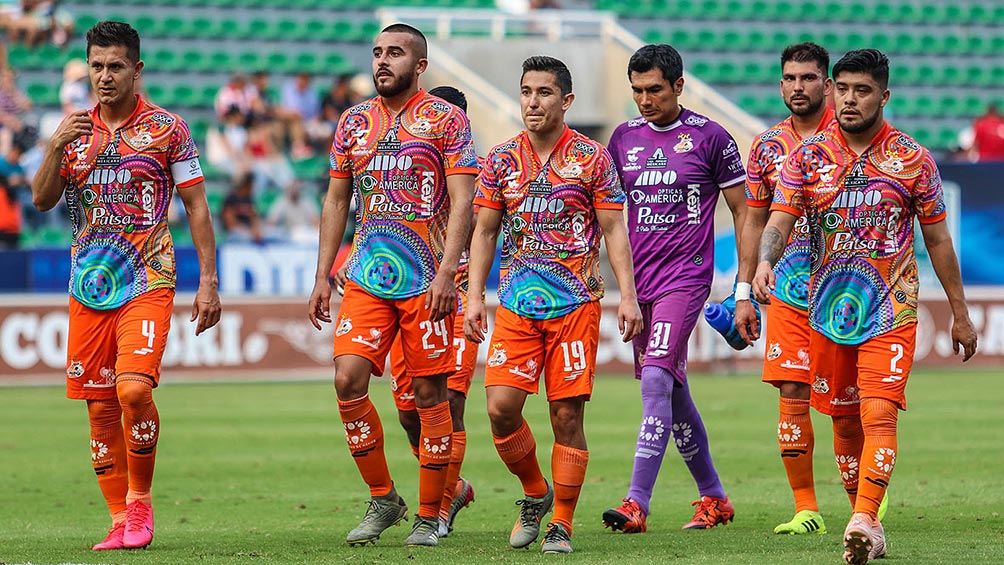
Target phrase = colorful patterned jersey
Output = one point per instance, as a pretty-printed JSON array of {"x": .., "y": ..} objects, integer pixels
[
  {"x": 551, "y": 237},
  {"x": 860, "y": 208},
  {"x": 119, "y": 186},
  {"x": 767, "y": 156},
  {"x": 398, "y": 166},
  {"x": 672, "y": 176}
]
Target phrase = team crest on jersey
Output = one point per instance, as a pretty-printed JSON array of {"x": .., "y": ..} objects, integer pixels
[
  {"x": 685, "y": 144},
  {"x": 695, "y": 121},
  {"x": 498, "y": 355},
  {"x": 774, "y": 351},
  {"x": 657, "y": 160},
  {"x": 422, "y": 126},
  {"x": 893, "y": 164},
  {"x": 373, "y": 341},
  {"x": 529, "y": 373},
  {"x": 820, "y": 385},
  {"x": 143, "y": 139},
  {"x": 75, "y": 370},
  {"x": 571, "y": 170},
  {"x": 344, "y": 326}
]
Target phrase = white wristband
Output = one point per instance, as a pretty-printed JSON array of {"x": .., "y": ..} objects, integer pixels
[{"x": 743, "y": 291}]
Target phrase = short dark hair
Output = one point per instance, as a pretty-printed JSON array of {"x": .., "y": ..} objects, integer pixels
[
  {"x": 110, "y": 34},
  {"x": 807, "y": 52},
  {"x": 545, "y": 64},
  {"x": 871, "y": 61},
  {"x": 657, "y": 56},
  {"x": 451, "y": 95},
  {"x": 423, "y": 44}
]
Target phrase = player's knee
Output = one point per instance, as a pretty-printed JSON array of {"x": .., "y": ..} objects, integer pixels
[
  {"x": 566, "y": 421},
  {"x": 457, "y": 404},
  {"x": 134, "y": 394},
  {"x": 410, "y": 422},
  {"x": 505, "y": 418},
  {"x": 795, "y": 390},
  {"x": 846, "y": 428},
  {"x": 879, "y": 416},
  {"x": 351, "y": 382}
]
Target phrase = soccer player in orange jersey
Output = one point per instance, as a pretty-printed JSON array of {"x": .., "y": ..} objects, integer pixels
[
  {"x": 118, "y": 165},
  {"x": 408, "y": 158},
  {"x": 861, "y": 183},
  {"x": 459, "y": 492},
  {"x": 805, "y": 88},
  {"x": 553, "y": 192}
]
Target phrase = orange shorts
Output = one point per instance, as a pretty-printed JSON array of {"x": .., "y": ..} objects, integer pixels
[
  {"x": 877, "y": 368},
  {"x": 367, "y": 325},
  {"x": 460, "y": 378},
  {"x": 786, "y": 358},
  {"x": 564, "y": 348},
  {"x": 105, "y": 343}
]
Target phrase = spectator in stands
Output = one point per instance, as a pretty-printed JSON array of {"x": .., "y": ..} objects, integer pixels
[
  {"x": 988, "y": 135},
  {"x": 226, "y": 145},
  {"x": 338, "y": 99},
  {"x": 294, "y": 216},
  {"x": 239, "y": 94},
  {"x": 239, "y": 216},
  {"x": 270, "y": 165},
  {"x": 301, "y": 101},
  {"x": 10, "y": 216},
  {"x": 39, "y": 20},
  {"x": 75, "y": 92},
  {"x": 284, "y": 123},
  {"x": 14, "y": 103}
]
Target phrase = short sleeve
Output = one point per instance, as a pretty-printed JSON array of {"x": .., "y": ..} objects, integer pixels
[
  {"x": 789, "y": 195},
  {"x": 727, "y": 162},
  {"x": 486, "y": 187},
  {"x": 183, "y": 157},
  {"x": 928, "y": 194},
  {"x": 759, "y": 193},
  {"x": 340, "y": 158},
  {"x": 459, "y": 157},
  {"x": 607, "y": 190}
]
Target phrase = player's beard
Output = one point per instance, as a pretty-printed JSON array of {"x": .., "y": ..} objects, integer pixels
[
  {"x": 864, "y": 125},
  {"x": 397, "y": 86},
  {"x": 809, "y": 110}
]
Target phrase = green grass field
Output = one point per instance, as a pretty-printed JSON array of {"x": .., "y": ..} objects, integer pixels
[{"x": 259, "y": 473}]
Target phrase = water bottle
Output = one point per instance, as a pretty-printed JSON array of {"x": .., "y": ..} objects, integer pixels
[{"x": 722, "y": 319}]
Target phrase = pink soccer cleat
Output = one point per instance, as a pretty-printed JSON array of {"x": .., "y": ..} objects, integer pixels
[
  {"x": 114, "y": 539},
  {"x": 139, "y": 525}
]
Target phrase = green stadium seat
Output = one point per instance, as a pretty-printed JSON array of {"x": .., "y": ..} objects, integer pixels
[{"x": 43, "y": 94}]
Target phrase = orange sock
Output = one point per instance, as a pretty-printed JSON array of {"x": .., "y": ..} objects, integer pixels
[
  {"x": 453, "y": 472},
  {"x": 878, "y": 456},
  {"x": 108, "y": 454},
  {"x": 795, "y": 437},
  {"x": 848, "y": 439},
  {"x": 434, "y": 451},
  {"x": 141, "y": 425},
  {"x": 518, "y": 451},
  {"x": 364, "y": 434},
  {"x": 568, "y": 469}
]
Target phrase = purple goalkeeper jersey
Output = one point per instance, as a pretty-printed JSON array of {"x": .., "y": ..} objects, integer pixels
[{"x": 672, "y": 176}]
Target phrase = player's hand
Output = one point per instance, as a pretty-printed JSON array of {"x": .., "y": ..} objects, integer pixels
[
  {"x": 964, "y": 334},
  {"x": 629, "y": 319},
  {"x": 441, "y": 299},
  {"x": 763, "y": 282},
  {"x": 475, "y": 321},
  {"x": 319, "y": 306},
  {"x": 341, "y": 277},
  {"x": 745, "y": 321},
  {"x": 73, "y": 126},
  {"x": 206, "y": 308}
]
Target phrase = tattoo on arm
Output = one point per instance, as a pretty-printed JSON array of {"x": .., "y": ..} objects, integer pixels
[{"x": 771, "y": 245}]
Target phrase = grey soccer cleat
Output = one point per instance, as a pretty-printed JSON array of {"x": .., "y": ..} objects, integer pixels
[
  {"x": 424, "y": 531},
  {"x": 556, "y": 540},
  {"x": 527, "y": 526},
  {"x": 383, "y": 512}
]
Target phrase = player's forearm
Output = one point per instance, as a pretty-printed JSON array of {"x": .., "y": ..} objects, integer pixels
[
  {"x": 756, "y": 219},
  {"x": 48, "y": 185},
  {"x": 334, "y": 214},
  {"x": 200, "y": 224},
  {"x": 946, "y": 266},
  {"x": 775, "y": 236}
]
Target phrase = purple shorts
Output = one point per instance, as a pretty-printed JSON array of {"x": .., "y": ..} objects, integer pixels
[{"x": 669, "y": 321}]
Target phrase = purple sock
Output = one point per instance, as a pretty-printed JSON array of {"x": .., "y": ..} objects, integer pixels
[
  {"x": 654, "y": 434},
  {"x": 692, "y": 442}
]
